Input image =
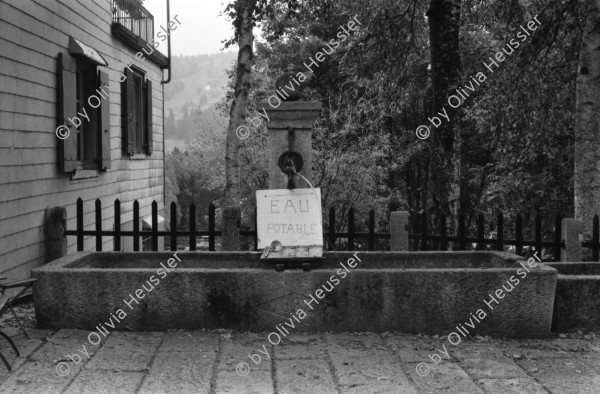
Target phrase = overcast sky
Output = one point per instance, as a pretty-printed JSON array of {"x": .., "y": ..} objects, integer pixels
[{"x": 201, "y": 30}]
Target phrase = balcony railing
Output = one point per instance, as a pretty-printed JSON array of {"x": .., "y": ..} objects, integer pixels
[{"x": 134, "y": 17}]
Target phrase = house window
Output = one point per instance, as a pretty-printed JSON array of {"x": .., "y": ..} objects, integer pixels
[
  {"x": 88, "y": 150},
  {"x": 136, "y": 112},
  {"x": 83, "y": 100}
]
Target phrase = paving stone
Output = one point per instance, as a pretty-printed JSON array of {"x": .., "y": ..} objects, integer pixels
[
  {"x": 570, "y": 345},
  {"x": 374, "y": 388},
  {"x": 412, "y": 349},
  {"x": 235, "y": 350},
  {"x": 535, "y": 350},
  {"x": 62, "y": 344},
  {"x": 474, "y": 350},
  {"x": 590, "y": 359},
  {"x": 371, "y": 372},
  {"x": 357, "y": 345},
  {"x": 190, "y": 341},
  {"x": 38, "y": 377},
  {"x": 57, "y": 345},
  {"x": 25, "y": 346},
  {"x": 34, "y": 333},
  {"x": 447, "y": 377},
  {"x": 511, "y": 386},
  {"x": 105, "y": 382},
  {"x": 304, "y": 376},
  {"x": 257, "y": 382},
  {"x": 126, "y": 351},
  {"x": 303, "y": 339},
  {"x": 563, "y": 375},
  {"x": 183, "y": 372},
  {"x": 66, "y": 335},
  {"x": 483, "y": 368},
  {"x": 301, "y": 346},
  {"x": 183, "y": 362},
  {"x": 557, "y": 344},
  {"x": 354, "y": 341}
]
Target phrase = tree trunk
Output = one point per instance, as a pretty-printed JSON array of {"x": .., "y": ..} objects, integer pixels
[
  {"x": 231, "y": 211},
  {"x": 587, "y": 123},
  {"x": 446, "y": 144}
]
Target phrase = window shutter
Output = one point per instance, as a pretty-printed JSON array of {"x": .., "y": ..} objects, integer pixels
[
  {"x": 149, "y": 124},
  {"x": 127, "y": 105},
  {"x": 104, "y": 120},
  {"x": 67, "y": 109}
]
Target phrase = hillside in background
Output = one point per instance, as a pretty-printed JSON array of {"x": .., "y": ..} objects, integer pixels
[{"x": 198, "y": 82}]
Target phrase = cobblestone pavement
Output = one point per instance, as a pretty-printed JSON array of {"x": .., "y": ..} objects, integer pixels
[{"x": 205, "y": 362}]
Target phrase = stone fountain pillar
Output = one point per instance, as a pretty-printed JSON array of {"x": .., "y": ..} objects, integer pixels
[
  {"x": 290, "y": 135},
  {"x": 289, "y": 221}
]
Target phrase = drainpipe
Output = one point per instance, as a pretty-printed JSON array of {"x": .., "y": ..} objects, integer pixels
[
  {"x": 168, "y": 44},
  {"x": 163, "y": 82}
]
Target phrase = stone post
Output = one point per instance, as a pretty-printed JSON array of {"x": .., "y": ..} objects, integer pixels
[
  {"x": 399, "y": 231},
  {"x": 290, "y": 129},
  {"x": 572, "y": 237},
  {"x": 55, "y": 224}
]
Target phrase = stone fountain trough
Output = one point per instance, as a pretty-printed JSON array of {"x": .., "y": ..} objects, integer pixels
[
  {"x": 414, "y": 292},
  {"x": 577, "y": 300}
]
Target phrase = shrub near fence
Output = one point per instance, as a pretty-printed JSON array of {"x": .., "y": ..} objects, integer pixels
[{"x": 419, "y": 240}]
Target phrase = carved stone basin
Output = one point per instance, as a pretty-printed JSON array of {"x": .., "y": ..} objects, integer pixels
[{"x": 417, "y": 292}]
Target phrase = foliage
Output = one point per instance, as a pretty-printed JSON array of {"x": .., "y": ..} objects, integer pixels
[
  {"x": 517, "y": 128},
  {"x": 197, "y": 175}
]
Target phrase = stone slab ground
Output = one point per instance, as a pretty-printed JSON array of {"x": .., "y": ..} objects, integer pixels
[{"x": 205, "y": 362}]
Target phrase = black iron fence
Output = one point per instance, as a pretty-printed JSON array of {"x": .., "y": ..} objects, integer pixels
[
  {"x": 419, "y": 236},
  {"x": 462, "y": 240}
]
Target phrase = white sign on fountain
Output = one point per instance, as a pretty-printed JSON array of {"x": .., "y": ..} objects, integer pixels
[{"x": 293, "y": 218}]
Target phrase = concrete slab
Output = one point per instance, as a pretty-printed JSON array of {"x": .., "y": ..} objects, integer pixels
[
  {"x": 105, "y": 382},
  {"x": 236, "y": 349},
  {"x": 180, "y": 372},
  {"x": 304, "y": 376},
  {"x": 481, "y": 368},
  {"x": 257, "y": 382},
  {"x": 62, "y": 344},
  {"x": 371, "y": 372},
  {"x": 301, "y": 346},
  {"x": 126, "y": 351},
  {"x": 190, "y": 341},
  {"x": 38, "y": 377},
  {"x": 205, "y": 362},
  {"x": 511, "y": 386},
  {"x": 26, "y": 348},
  {"x": 445, "y": 377},
  {"x": 415, "y": 349},
  {"x": 564, "y": 375}
]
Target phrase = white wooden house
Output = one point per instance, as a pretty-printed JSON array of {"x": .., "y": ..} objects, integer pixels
[{"x": 74, "y": 68}]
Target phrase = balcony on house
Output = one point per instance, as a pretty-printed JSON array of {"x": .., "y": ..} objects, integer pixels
[{"x": 130, "y": 20}]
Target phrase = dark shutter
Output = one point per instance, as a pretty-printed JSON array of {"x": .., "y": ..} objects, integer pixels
[
  {"x": 67, "y": 109},
  {"x": 149, "y": 124},
  {"x": 128, "y": 108},
  {"x": 104, "y": 120}
]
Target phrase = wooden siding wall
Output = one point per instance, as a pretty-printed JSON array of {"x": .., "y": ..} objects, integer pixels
[{"x": 32, "y": 34}]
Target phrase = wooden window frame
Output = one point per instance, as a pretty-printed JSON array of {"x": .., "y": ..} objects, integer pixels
[
  {"x": 137, "y": 111},
  {"x": 87, "y": 146}
]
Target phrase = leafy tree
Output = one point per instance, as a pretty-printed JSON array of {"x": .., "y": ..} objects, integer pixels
[
  {"x": 587, "y": 138},
  {"x": 515, "y": 132},
  {"x": 244, "y": 15}
]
